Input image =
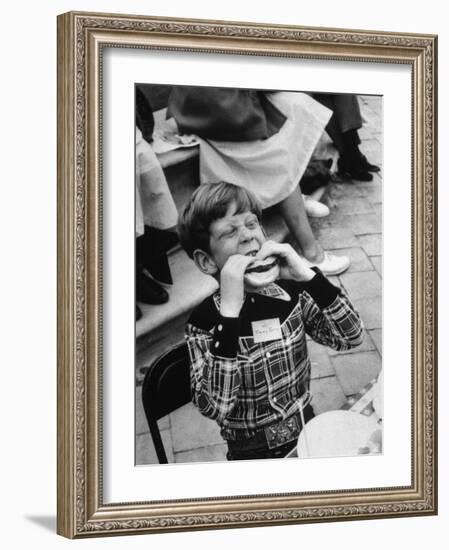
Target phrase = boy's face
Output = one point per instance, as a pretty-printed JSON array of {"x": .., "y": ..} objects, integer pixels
[{"x": 235, "y": 234}]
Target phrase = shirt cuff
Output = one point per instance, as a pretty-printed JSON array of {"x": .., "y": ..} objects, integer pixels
[
  {"x": 321, "y": 289},
  {"x": 226, "y": 337}
]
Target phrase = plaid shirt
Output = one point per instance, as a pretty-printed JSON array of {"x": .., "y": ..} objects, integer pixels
[{"x": 246, "y": 386}]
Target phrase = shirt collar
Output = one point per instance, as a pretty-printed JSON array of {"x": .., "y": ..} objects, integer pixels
[{"x": 271, "y": 291}]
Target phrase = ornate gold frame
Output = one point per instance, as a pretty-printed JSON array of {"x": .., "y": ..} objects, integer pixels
[{"x": 81, "y": 37}]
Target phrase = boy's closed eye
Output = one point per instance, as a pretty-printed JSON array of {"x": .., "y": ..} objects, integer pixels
[
  {"x": 231, "y": 231},
  {"x": 252, "y": 224},
  {"x": 228, "y": 233}
]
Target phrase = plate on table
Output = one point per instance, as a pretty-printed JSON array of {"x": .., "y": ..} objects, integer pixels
[
  {"x": 378, "y": 402},
  {"x": 337, "y": 433}
]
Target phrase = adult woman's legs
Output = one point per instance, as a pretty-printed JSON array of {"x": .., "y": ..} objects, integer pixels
[{"x": 293, "y": 211}]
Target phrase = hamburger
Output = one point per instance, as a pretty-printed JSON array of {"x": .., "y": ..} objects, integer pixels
[{"x": 261, "y": 273}]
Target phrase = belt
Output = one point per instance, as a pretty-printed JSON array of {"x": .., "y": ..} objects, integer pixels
[{"x": 274, "y": 435}]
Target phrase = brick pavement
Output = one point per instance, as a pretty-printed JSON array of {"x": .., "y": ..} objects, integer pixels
[{"x": 354, "y": 227}]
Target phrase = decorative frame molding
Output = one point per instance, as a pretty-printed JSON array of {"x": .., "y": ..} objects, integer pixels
[{"x": 81, "y": 37}]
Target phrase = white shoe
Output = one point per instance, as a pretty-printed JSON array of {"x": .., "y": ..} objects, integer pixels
[
  {"x": 331, "y": 264},
  {"x": 315, "y": 209}
]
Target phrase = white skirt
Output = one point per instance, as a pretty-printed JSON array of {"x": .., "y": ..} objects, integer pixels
[
  {"x": 154, "y": 203},
  {"x": 270, "y": 168}
]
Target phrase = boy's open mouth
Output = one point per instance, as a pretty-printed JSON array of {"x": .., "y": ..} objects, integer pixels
[{"x": 259, "y": 266}]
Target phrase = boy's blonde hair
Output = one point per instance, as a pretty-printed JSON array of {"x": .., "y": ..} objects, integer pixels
[{"x": 210, "y": 202}]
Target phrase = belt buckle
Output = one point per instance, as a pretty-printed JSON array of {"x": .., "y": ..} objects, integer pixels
[{"x": 282, "y": 433}]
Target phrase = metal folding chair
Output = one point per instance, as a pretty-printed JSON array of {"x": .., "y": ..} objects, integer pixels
[{"x": 166, "y": 387}]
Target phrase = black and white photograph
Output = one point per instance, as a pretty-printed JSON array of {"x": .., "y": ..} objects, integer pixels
[{"x": 258, "y": 274}]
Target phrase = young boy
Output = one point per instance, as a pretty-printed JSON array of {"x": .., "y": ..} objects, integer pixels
[{"x": 250, "y": 369}]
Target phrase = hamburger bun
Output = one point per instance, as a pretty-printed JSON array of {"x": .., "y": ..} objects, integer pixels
[{"x": 261, "y": 273}]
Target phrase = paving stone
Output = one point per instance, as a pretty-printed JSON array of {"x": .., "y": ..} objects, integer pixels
[
  {"x": 372, "y": 114},
  {"x": 363, "y": 224},
  {"x": 319, "y": 358},
  {"x": 145, "y": 451},
  {"x": 365, "y": 99},
  {"x": 356, "y": 205},
  {"x": 370, "y": 133},
  {"x": 366, "y": 345},
  {"x": 377, "y": 262},
  {"x": 373, "y": 194},
  {"x": 378, "y": 209},
  {"x": 364, "y": 284},
  {"x": 376, "y": 336},
  {"x": 371, "y": 190},
  {"x": 371, "y": 101},
  {"x": 342, "y": 192},
  {"x": 371, "y": 107},
  {"x": 370, "y": 310},
  {"x": 211, "y": 453},
  {"x": 371, "y": 244},
  {"x": 335, "y": 219},
  {"x": 372, "y": 148},
  {"x": 327, "y": 394},
  {"x": 190, "y": 429},
  {"x": 141, "y": 421},
  {"x": 359, "y": 259},
  {"x": 356, "y": 370},
  {"x": 332, "y": 238}
]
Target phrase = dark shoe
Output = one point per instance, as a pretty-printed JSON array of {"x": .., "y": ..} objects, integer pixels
[
  {"x": 151, "y": 252},
  {"x": 353, "y": 170},
  {"x": 368, "y": 166},
  {"x": 138, "y": 313},
  {"x": 148, "y": 290}
]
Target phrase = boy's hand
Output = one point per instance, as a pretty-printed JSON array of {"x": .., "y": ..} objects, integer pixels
[
  {"x": 231, "y": 284},
  {"x": 291, "y": 264}
]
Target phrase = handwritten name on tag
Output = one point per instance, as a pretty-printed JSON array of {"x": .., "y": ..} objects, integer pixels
[{"x": 266, "y": 330}]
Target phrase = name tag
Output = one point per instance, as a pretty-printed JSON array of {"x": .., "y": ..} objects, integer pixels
[{"x": 266, "y": 330}]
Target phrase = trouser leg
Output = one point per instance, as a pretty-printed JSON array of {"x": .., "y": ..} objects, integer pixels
[
  {"x": 346, "y": 116},
  {"x": 255, "y": 448}
]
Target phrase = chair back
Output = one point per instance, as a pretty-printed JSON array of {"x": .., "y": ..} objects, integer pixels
[{"x": 166, "y": 387}]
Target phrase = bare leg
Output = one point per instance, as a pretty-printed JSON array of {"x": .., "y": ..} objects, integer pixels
[{"x": 293, "y": 211}]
